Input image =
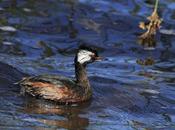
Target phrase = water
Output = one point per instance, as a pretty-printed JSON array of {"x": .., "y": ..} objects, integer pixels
[{"x": 127, "y": 95}]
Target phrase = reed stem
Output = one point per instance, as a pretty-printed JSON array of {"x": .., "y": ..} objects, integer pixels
[{"x": 156, "y": 6}]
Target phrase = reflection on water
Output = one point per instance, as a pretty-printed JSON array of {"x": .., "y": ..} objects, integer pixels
[
  {"x": 148, "y": 43},
  {"x": 69, "y": 115},
  {"x": 146, "y": 62},
  {"x": 133, "y": 86}
]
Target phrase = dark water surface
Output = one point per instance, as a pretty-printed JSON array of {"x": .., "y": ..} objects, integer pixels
[{"x": 127, "y": 95}]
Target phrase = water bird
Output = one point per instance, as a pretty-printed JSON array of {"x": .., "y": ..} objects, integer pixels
[{"x": 62, "y": 89}]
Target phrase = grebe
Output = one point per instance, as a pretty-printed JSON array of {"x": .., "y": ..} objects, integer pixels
[{"x": 62, "y": 89}]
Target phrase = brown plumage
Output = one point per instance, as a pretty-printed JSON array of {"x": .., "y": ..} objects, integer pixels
[{"x": 62, "y": 89}]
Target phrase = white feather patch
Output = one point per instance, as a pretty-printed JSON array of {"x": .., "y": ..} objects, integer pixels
[{"x": 84, "y": 56}]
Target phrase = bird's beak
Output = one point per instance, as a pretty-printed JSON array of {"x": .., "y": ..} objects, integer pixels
[{"x": 98, "y": 58}]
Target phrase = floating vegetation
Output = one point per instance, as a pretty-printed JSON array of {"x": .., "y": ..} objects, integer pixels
[
  {"x": 154, "y": 24},
  {"x": 149, "y": 43}
]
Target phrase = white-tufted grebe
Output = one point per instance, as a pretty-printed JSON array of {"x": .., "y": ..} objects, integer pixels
[{"x": 62, "y": 89}]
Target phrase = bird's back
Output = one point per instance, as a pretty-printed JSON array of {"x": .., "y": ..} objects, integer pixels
[{"x": 53, "y": 87}]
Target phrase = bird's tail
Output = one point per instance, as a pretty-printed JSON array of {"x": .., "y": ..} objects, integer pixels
[{"x": 17, "y": 83}]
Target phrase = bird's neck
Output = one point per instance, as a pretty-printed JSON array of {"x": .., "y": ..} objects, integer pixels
[{"x": 81, "y": 76}]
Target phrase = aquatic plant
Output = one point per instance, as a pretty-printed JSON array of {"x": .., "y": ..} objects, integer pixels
[{"x": 151, "y": 27}]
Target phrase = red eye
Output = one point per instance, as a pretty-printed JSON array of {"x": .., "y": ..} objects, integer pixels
[{"x": 92, "y": 55}]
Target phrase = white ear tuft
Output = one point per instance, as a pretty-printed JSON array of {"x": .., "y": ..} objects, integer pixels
[{"x": 84, "y": 56}]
